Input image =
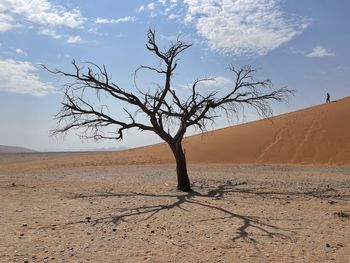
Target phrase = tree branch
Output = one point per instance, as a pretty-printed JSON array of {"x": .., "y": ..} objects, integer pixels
[{"x": 162, "y": 106}]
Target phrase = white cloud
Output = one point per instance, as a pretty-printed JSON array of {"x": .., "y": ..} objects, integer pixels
[
  {"x": 74, "y": 39},
  {"x": 140, "y": 9},
  {"x": 173, "y": 16},
  {"x": 20, "y": 51},
  {"x": 50, "y": 32},
  {"x": 214, "y": 84},
  {"x": 37, "y": 11},
  {"x": 163, "y": 7},
  {"x": 243, "y": 27},
  {"x": 21, "y": 77},
  {"x": 151, "y": 6},
  {"x": 320, "y": 51},
  {"x": 115, "y": 21},
  {"x": 6, "y": 22},
  {"x": 217, "y": 82}
]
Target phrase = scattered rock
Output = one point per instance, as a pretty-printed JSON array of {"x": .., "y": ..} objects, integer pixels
[
  {"x": 342, "y": 214},
  {"x": 88, "y": 218},
  {"x": 328, "y": 245}
]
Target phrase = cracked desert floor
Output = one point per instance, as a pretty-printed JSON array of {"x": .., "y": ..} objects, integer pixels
[{"x": 133, "y": 213}]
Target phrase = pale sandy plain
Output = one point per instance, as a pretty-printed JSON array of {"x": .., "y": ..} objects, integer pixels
[{"x": 268, "y": 191}]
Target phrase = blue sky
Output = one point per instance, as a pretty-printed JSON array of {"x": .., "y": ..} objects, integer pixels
[{"x": 302, "y": 44}]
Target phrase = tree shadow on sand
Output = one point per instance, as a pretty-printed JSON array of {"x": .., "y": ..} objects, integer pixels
[
  {"x": 325, "y": 192},
  {"x": 201, "y": 197}
]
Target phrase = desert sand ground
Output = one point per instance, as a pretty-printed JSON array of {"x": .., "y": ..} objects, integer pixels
[
  {"x": 133, "y": 213},
  {"x": 124, "y": 207}
]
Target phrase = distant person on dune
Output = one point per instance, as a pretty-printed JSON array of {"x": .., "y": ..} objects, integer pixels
[{"x": 328, "y": 100}]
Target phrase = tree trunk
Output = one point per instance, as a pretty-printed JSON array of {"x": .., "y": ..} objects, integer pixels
[{"x": 183, "y": 181}]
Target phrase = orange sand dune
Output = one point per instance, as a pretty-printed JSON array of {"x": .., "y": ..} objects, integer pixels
[{"x": 316, "y": 135}]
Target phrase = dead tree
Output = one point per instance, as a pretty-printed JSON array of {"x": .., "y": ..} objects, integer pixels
[{"x": 161, "y": 106}]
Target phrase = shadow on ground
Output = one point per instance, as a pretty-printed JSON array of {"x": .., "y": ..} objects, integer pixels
[{"x": 208, "y": 197}]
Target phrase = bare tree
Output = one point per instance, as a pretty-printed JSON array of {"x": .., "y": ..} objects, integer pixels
[{"x": 163, "y": 108}]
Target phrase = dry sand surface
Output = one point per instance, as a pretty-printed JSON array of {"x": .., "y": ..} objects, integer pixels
[{"x": 132, "y": 213}]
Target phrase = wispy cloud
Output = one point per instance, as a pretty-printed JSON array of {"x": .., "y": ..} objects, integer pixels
[
  {"x": 20, "y": 51},
  {"x": 217, "y": 82},
  {"x": 21, "y": 77},
  {"x": 50, "y": 32},
  {"x": 173, "y": 16},
  {"x": 250, "y": 27},
  {"x": 140, "y": 9},
  {"x": 43, "y": 12},
  {"x": 320, "y": 51},
  {"x": 163, "y": 7},
  {"x": 151, "y": 6},
  {"x": 211, "y": 84},
  {"x": 125, "y": 19},
  {"x": 6, "y": 21},
  {"x": 74, "y": 39}
]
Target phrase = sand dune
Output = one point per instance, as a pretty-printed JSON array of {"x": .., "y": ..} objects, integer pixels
[
  {"x": 14, "y": 149},
  {"x": 316, "y": 135},
  {"x": 319, "y": 135}
]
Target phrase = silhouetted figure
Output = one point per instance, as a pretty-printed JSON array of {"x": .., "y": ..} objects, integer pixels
[{"x": 328, "y": 100}]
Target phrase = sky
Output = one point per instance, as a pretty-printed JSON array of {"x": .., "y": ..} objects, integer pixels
[{"x": 302, "y": 44}]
